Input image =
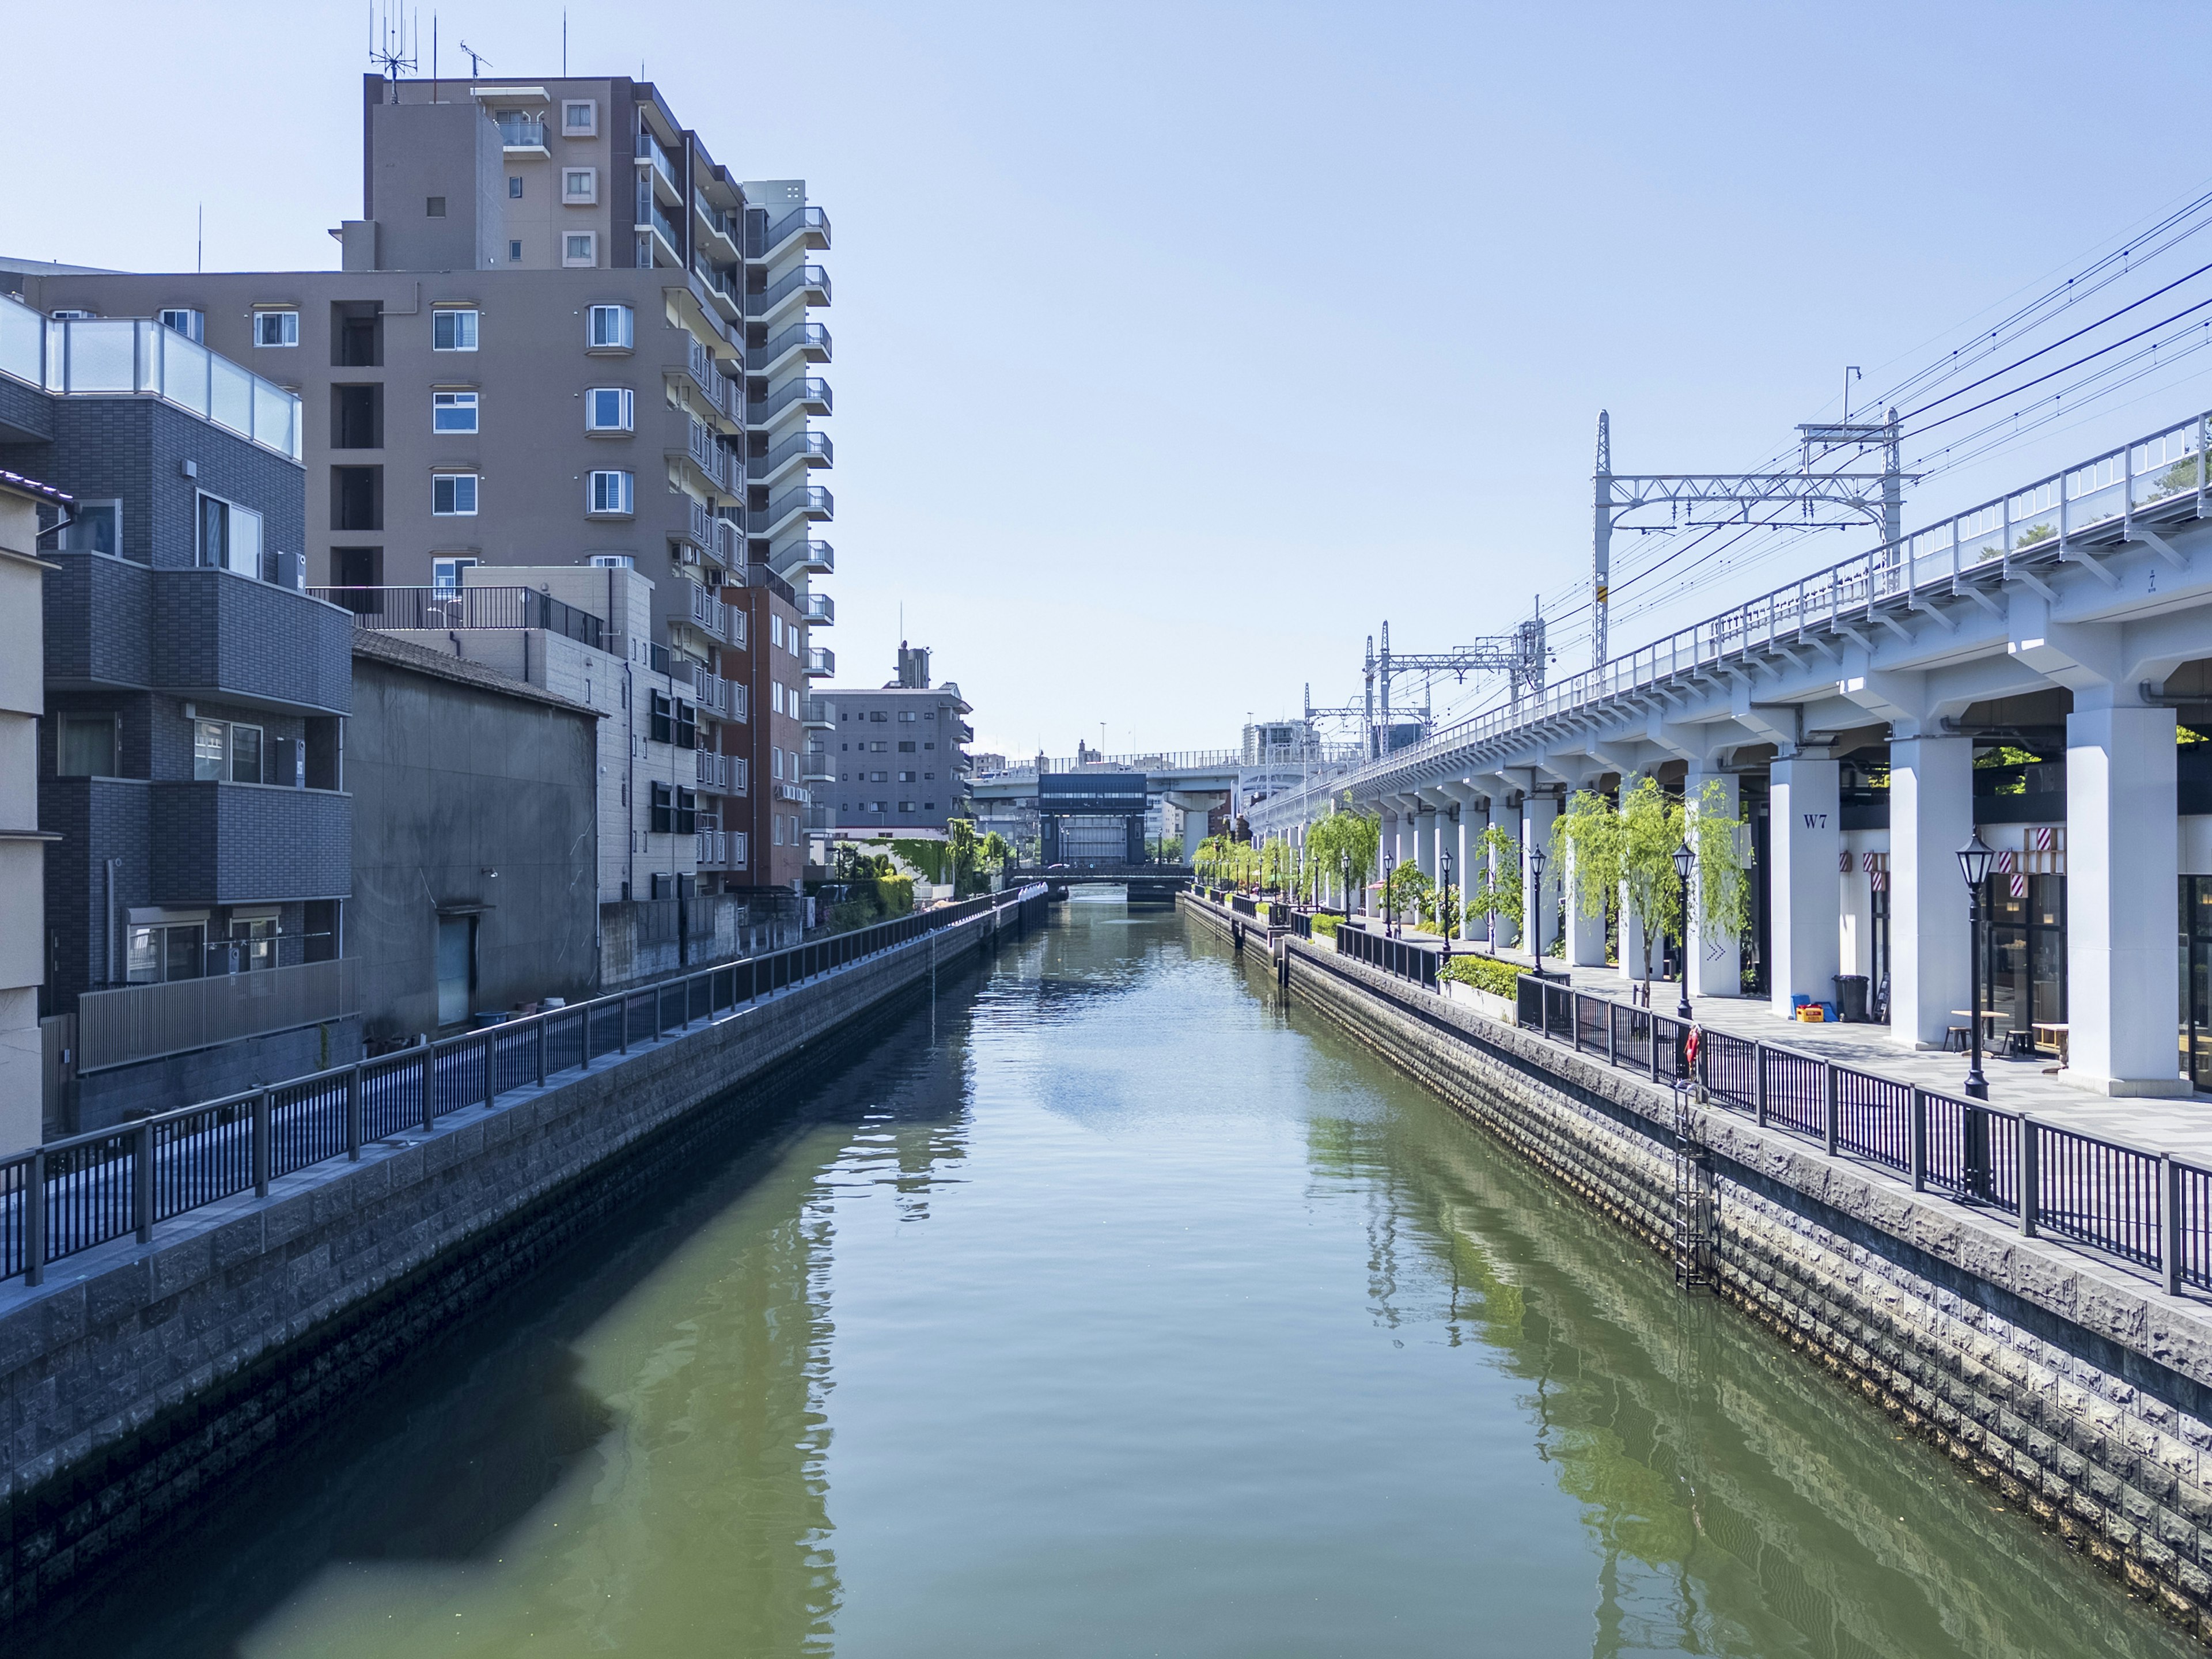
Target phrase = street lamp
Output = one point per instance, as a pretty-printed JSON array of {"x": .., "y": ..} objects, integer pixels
[
  {"x": 1685, "y": 859},
  {"x": 1444, "y": 917},
  {"x": 1390, "y": 905},
  {"x": 1344, "y": 887},
  {"x": 1536, "y": 920},
  {"x": 1974, "y": 860}
]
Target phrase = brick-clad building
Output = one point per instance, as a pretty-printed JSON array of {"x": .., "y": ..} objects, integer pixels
[{"x": 190, "y": 758}]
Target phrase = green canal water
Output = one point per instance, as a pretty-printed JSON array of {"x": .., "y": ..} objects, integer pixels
[{"x": 1109, "y": 1308}]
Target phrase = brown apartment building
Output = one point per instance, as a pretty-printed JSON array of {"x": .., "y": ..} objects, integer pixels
[{"x": 562, "y": 335}]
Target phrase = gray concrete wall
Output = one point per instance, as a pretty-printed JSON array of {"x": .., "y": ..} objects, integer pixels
[
  {"x": 2081, "y": 1393},
  {"x": 452, "y": 782},
  {"x": 138, "y": 1378}
]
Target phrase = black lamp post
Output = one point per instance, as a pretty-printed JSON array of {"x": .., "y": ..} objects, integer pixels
[
  {"x": 1685, "y": 859},
  {"x": 1344, "y": 884},
  {"x": 1535, "y": 907},
  {"x": 1444, "y": 918},
  {"x": 1390, "y": 905},
  {"x": 1974, "y": 860}
]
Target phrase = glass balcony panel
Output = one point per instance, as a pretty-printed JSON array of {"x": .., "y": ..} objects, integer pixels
[{"x": 103, "y": 356}]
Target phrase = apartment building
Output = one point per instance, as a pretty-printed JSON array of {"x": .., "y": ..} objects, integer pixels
[
  {"x": 23, "y": 844},
  {"x": 191, "y": 761},
  {"x": 562, "y": 335},
  {"x": 897, "y": 753}
]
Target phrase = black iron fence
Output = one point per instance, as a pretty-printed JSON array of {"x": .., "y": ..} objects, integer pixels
[
  {"x": 1418, "y": 962},
  {"x": 71, "y": 1194},
  {"x": 2143, "y": 1207}
]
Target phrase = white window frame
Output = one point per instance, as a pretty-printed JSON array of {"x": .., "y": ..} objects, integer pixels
[
  {"x": 275, "y": 328},
  {"x": 626, "y": 417},
  {"x": 571, "y": 257},
  {"x": 588, "y": 127},
  {"x": 609, "y": 328},
  {"x": 462, "y": 334},
  {"x": 571, "y": 195},
  {"x": 445, "y": 573},
  {"x": 473, "y": 493},
  {"x": 458, "y": 404},
  {"x": 614, "y": 561},
  {"x": 625, "y": 493},
  {"x": 192, "y": 325}
]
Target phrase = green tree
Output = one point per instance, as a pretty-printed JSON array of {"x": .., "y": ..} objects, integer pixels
[
  {"x": 1495, "y": 893},
  {"x": 1407, "y": 887},
  {"x": 1652, "y": 827},
  {"x": 1345, "y": 838},
  {"x": 1723, "y": 849},
  {"x": 995, "y": 851},
  {"x": 1588, "y": 842}
]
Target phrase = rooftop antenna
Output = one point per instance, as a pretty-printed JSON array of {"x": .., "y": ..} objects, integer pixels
[
  {"x": 477, "y": 60},
  {"x": 388, "y": 48},
  {"x": 564, "y": 44},
  {"x": 199, "y": 247}
]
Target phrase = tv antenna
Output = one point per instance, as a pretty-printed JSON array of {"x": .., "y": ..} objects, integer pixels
[
  {"x": 476, "y": 60},
  {"x": 389, "y": 44}
]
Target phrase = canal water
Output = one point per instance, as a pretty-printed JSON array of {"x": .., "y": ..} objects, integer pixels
[{"x": 1110, "y": 1306}]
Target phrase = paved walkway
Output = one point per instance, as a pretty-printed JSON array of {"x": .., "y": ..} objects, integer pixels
[{"x": 2182, "y": 1124}]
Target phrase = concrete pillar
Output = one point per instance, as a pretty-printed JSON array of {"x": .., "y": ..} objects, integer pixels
[
  {"x": 1508, "y": 935},
  {"x": 1585, "y": 923},
  {"x": 1537, "y": 813},
  {"x": 1715, "y": 961},
  {"x": 1632, "y": 933},
  {"x": 1424, "y": 839},
  {"x": 1804, "y": 890},
  {"x": 1931, "y": 816},
  {"x": 2122, "y": 857}
]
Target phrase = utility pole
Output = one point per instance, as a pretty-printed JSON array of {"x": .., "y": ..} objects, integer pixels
[{"x": 1601, "y": 541}]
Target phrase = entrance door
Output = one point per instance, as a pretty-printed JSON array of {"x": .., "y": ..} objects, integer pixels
[
  {"x": 2196, "y": 980},
  {"x": 456, "y": 968}
]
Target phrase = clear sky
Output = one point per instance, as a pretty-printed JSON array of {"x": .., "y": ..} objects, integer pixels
[{"x": 1180, "y": 345}]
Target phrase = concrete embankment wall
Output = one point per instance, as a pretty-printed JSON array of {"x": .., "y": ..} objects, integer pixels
[
  {"x": 139, "y": 1379},
  {"x": 2081, "y": 1392}
]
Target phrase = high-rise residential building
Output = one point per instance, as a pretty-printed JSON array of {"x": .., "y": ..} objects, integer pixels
[
  {"x": 562, "y": 334},
  {"x": 897, "y": 753}
]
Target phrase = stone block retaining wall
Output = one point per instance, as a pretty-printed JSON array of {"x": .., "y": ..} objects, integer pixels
[{"x": 2079, "y": 1392}]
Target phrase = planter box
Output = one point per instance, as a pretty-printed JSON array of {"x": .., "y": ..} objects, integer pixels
[{"x": 1488, "y": 1003}]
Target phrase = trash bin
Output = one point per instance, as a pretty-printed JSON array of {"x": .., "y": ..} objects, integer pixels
[{"x": 1851, "y": 998}]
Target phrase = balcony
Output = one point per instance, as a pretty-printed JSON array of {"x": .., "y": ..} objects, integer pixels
[
  {"x": 721, "y": 286},
  {"x": 967, "y": 732},
  {"x": 651, "y": 214},
  {"x": 235, "y": 843},
  {"x": 808, "y": 449},
  {"x": 714, "y": 772},
  {"x": 712, "y": 850},
  {"x": 724, "y": 233},
  {"x": 728, "y": 547},
  {"x": 703, "y": 449},
  {"x": 706, "y": 390},
  {"x": 820, "y": 715},
  {"x": 809, "y": 503},
  {"x": 704, "y": 612},
  {"x": 801, "y": 343},
  {"x": 821, "y": 663},
  {"x": 137, "y": 354},
  {"x": 820, "y": 610},
  {"x": 815, "y": 558},
  {"x": 668, "y": 178},
  {"x": 809, "y": 226},
  {"x": 145, "y": 1022},
  {"x": 392, "y": 610},
  {"x": 810, "y": 282},
  {"x": 110, "y": 622},
  {"x": 521, "y": 135},
  {"x": 807, "y": 393},
  {"x": 814, "y": 766},
  {"x": 793, "y": 793}
]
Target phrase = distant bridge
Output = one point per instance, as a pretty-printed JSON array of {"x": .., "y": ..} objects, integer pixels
[{"x": 1146, "y": 882}]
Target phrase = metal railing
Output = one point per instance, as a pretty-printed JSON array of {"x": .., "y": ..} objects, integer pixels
[
  {"x": 821, "y": 609},
  {"x": 818, "y": 557},
  {"x": 649, "y": 149},
  {"x": 809, "y": 389},
  {"x": 135, "y": 1023},
  {"x": 759, "y": 575},
  {"x": 813, "y": 338},
  {"x": 519, "y": 132},
  {"x": 2123, "y": 1202},
  {"x": 810, "y": 500},
  {"x": 390, "y": 609},
  {"x": 806, "y": 446},
  {"x": 808, "y": 278},
  {"x": 1418, "y": 963},
  {"x": 137, "y": 355},
  {"x": 798, "y": 221},
  {"x": 72, "y": 1195},
  {"x": 821, "y": 661},
  {"x": 705, "y": 449},
  {"x": 2032, "y": 527}
]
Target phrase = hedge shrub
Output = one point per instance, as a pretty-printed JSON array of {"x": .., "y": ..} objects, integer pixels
[{"x": 1486, "y": 974}]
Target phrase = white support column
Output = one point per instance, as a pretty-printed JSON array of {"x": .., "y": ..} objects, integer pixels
[
  {"x": 1585, "y": 921},
  {"x": 1540, "y": 900},
  {"x": 1424, "y": 839},
  {"x": 1804, "y": 890},
  {"x": 1509, "y": 934},
  {"x": 1931, "y": 816},
  {"x": 2122, "y": 856},
  {"x": 1715, "y": 961},
  {"x": 1632, "y": 964}
]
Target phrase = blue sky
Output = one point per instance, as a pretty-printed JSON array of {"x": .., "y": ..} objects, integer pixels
[{"x": 1178, "y": 346}]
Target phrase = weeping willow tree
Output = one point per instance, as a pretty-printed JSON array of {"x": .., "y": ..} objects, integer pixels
[
  {"x": 1589, "y": 845},
  {"x": 1494, "y": 892},
  {"x": 1344, "y": 843},
  {"x": 1723, "y": 850}
]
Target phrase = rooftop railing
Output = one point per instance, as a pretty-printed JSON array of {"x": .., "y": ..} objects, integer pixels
[
  {"x": 138, "y": 356},
  {"x": 391, "y": 610}
]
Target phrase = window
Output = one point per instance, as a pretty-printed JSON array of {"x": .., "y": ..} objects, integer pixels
[
  {"x": 84, "y": 746},
  {"x": 878, "y": 716},
  {"x": 929, "y": 745},
  {"x": 906, "y": 717},
  {"x": 457, "y": 968},
  {"x": 876, "y": 748},
  {"x": 907, "y": 748},
  {"x": 906, "y": 806},
  {"x": 513, "y": 187},
  {"x": 687, "y": 724},
  {"x": 446, "y": 574},
  {"x": 97, "y": 528},
  {"x": 580, "y": 187},
  {"x": 210, "y": 750},
  {"x": 675, "y": 812},
  {"x": 453, "y": 329},
  {"x": 609, "y": 328},
  {"x": 230, "y": 536},
  {"x": 610, "y": 409},
  {"x": 738, "y": 841},
  {"x": 276, "y": 328},
  {"x": 929, "y": 715},
  {"x": 614, "y": 561},
  {"x": 774, "y": 629},
  {"x": 776, "y": 762},
  {"x": 579, "y": 117},
  {"x": 929, "y": 777},
  {"x": 245, "y": 754},
  {"x": 674, "y": 722},
  {"x": 434, "y": 207},
  {"x": 453, "y": 411},
  {"x": 612, "y": 495},
  {"x": 580, "y": 247},
  {"x": 454, "y": 494},
  {"x": 153, "y": 955},
  {"x": 906, "y": 777},
  {"x": 191, "y": 325},
  {"x": 513, "y": 252},
  {"x": 687, "y": 812}
]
